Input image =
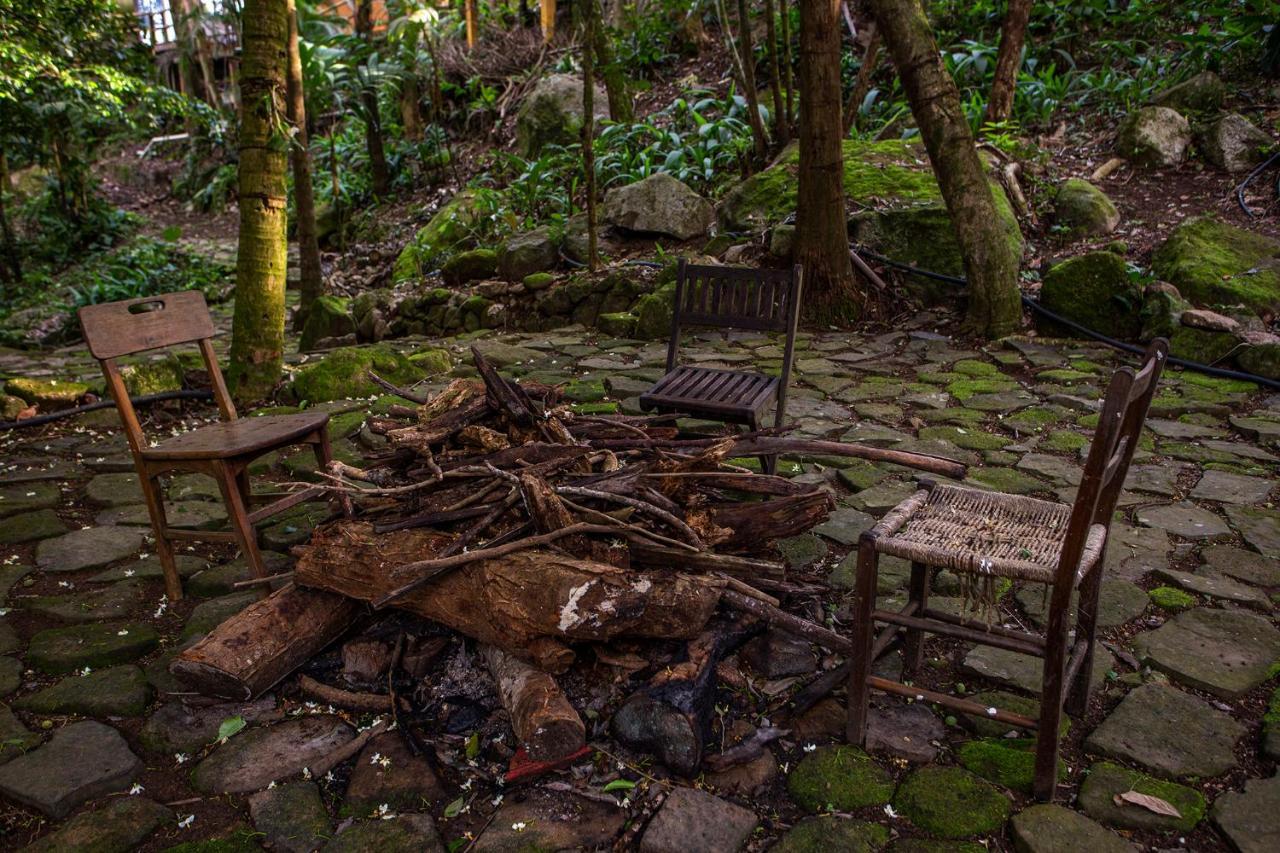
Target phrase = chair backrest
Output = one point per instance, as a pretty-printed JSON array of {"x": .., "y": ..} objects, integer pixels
[
  {"x": 131, "y": 326},
  {"x": 1124, "y": 411}
]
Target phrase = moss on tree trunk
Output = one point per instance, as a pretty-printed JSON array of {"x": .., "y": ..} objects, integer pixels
[{"x": 611, "y": 71}]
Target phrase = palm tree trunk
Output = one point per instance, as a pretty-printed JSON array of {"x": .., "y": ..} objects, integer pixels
[
  {"x": 257, "y": 336},
  {"x": 304, "y": 201},
  {"x": 1013, "y": 33},
  {"x": 378, "y": 169}
]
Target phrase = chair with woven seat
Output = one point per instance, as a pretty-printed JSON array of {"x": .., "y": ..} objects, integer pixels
[
  {"x": 986, "y": 537},
  {"x": 729, "y": 298},
  {"x": 221, "y": 450}
]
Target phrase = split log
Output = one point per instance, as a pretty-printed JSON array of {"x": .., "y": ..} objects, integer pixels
[
  {"x": 541, "y": 716},
  {"x": 252, "y": 651},
  {"x": 749, "y": 523},
  {"x": 706, "y": 561},
  {"x": 670, "y": 716},
  {"x": 515, "y": 600}
]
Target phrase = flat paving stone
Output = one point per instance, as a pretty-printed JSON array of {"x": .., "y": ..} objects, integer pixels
[
  {"x": 1225, "y": 487},
  {"x": 10, "y": 675},
  {"x": 1259, "y": 527},
  {"x": 1209, "y": 583},
  {"x": 80, "y": 762},
  {"x": 258, "y": 756},
  {"x": 1250, "y": 819},
  {"x": 692, "y": 821},
  {"x": 210, "y": 614},
  {"x": 149, "y": 567},
  {"x": 1184, "y": 519},
  {"x": 118, "y": 827},
  {"x": 119, "y": 691},
  {"x": 1178, "y": 429},
  {"x": 58, "y": 650},
  {"x": 845, "y": 525},
  {"x": 9, "y": 642},
  {"x": 1154, "y": 479},
  {"x": 405, "y": 783},
  {"x": 1059, "y": 471},
  {"x": 1119, "y": 602},
  {"x": 1014, "y": 669},
  {"x": 1168, "y": 732},
  {"x": 909, "y": 732},
  {"x": 1053, "y": 829},
  {"x": 551, "y": 820},
  {"x": 27, "y": 497},
  {"x": 31, "y": 527},
  {"x": 90, "y": 548},
  {"x": 190, "y": 515},
  {"x": 1132, "y": 552},
  {"x": 107, "y": 490},
  {"x": 292, "y": 818},
  {"x": 10, "y": 575},
  {"x": 1224, "y": 652},
  {"x": 15, "y": 738},
  {"x": 1105, "y": 781},
  {"x": 404, "y": 833},
  {"x": 117, "y": 601},
  {"x": 1242, "y": 565},
  {"x": 178, "y": 727}
]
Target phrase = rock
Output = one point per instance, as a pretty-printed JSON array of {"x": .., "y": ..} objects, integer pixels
[
  {"x": 551, "y": 820},
  {"x": 1094, "y": 290},
  {"x": 1211, "y": 321},
  {"x": 119, "y": 827},
  {"x": 1242, "y": 565},
  {"x": 1024, "y": 671},
  {"x": 344, "y": 373},
  {"x": 450, "y": 225},
  {"x": 10, "y": 675},
  {"x": 1170, "y": 733},
  {"x": 845, "y": 525},
  {"x": 1213, "y": 263},
  {"x": 951, "y": 803},
  {"x": 58, "y": 650},
  {"x": 94, "y": 605},
  {"x": 1105, "y": 781},
  {"x": 80, "y": 762},
  {"x": 15, "y": 738},
  {"x": 1156, "y": 137},
  {"x": 176, "y": 727},
  {"x": 553, "y": 113},
  {"x": 526, "y": 253},
  {"x": 1184, "y": 519},
  {"x": 117, "y": 489},
  {"x": 1162, "y": 308},
  {"x": 1009, "y": 762},
  {"x": 469, "y": 266},
  {"x": 1226, "y": 487},
  {"x": 842, "y": 778},
  {"x": 87, "y": 549},
  {"x": 371, "y": 311},
  {"x": 1213, "y": 585},
  {"x": 1084, "y": 210},
  {"x": 692, "y": 821},
  {"x": 31, "y": 527},
  {"x": 1202, "y": 93},
  {"x": 1223, "y": 652},
  {"x": 827, "y": 719},
  {"x": 1203, "y": 346},
  {"x": 405, "y": 783},
  {"x": 1234, "y": 144},
  {"x": 653, "y": 313},
  {"x": 1248, "y": 818},
  {"x": 903, "y": 731},
  {"x": 748, "y": 778},
  {"x": 1261, "y": 357},
  {"x": 291, "y": 817},
  {"x": 620, "y": 324},
  {"x": 121, "y": 691},
  {"x": 831, "y": 832},
  {"x": 1054, "y": 829},
  {"x": 406, "y": 833},
  {"x": 1259, "y": 527},
  {"x": 329, "y": 317},
  {"x": 659, "y": 204},
  {"x": 208, "y": 615},
  {"x": 777, "y": 654},
  {"x": 48, "y": 394},
  {"x": 28, "y": 497},
  {"x": 802, "y": 550},
  {"x": 254, "y": 758}
]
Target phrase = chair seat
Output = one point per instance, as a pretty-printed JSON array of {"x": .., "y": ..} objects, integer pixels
[
  {"x": 241, "y": 437},
  {"x": 731, "y": 395},
  {"x": 985, "y": 533}
]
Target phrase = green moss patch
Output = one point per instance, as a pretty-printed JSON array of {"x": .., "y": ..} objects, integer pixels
[
  {"x": 1096, "y": 291},
  {"x": 48, "y": 394},
  {"x": 1169, "y": 598},
  {"x": 1213, "y": 263},
  {"x": 344, "y": 373},
  {"x": 952, "y": 803},
  {"x": 1106, "y": 780},
  {"x": 1007, "y": 762},
  {"x": 964, "y": 389},
  {"x": 969, "y": 439},
  {"x": 828, "y": 832},
  {"x": 840, "y": 778},
  {"x": 1064, "y": 441}
]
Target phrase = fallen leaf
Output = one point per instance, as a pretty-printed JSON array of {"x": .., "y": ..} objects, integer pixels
[{"x": 1154, "y": 804}]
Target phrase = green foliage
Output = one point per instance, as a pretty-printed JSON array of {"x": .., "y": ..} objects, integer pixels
[{"x": 143, "y": 268}]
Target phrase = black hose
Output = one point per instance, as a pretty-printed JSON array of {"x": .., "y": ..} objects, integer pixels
[
  {"x": 145, "y": 399},
  {"x": 1249, "y": 179}
]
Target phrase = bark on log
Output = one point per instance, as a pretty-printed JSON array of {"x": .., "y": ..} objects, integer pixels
[
  {"x": 541, "y": 716},
  {"x": 752, "y": 524},
  {"x": 252, "y": 651},
  {"x": 670, "y": 716},
  {"x": 514, "y": 601}
]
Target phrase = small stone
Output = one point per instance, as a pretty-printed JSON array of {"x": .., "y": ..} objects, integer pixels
[
  {"x": 1105, "y": 781},
  {"x": 777, "y": 654},
  {"x": 951, "y": 803},
  {"x": 406, "y": 783},
  {"x": 87, "y": 549},
  {"x": 1054, "y": 829},
  {"x": 15, "y": 738},
  {"x": 58, "y": 650},
  {"x": 1235, "y": 144},
  {"x": 1184, "y": 519},
  {"x": 1170, "y": 733},
  {"x": 1248, "y": 818},
  {"x": 1024, "y": 671},
  {"x": 748, "y": 778},
  {"x": 177, "y": 727},
  {"x": 253, "y": 759},
  {"x": 1224, "y": 652},
  {"x": 406, "y": 833},
  {"x": 1156, "y": 137},
  {"x": 1084, "y": 210},
  {"x": 120, "y": 691},
  {"x": 904, "y": 731},
  {"x": 826, "y": 719},
  {"x": 291, "y": 817},
  {"x": 843, "y": 778},
  {"x": 31, "y": 527},
  {"x": 82, "y": 761},
  {"x": 119, "y": 827},
  {"x": 551, "y": 820},
  {"x": 692, "y": 821}
]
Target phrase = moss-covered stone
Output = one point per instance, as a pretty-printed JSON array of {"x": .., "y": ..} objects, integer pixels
[
  {"x": 528, "y": 252},
  {"x": 951, "y": 803},
  {"x": 585, "y": 391},
  {"x": 1201, "y": 93},
  {"x": 1083, "y": 210},
  {"x": 449, "y": 227},
  {"x": 472, "y": 265},
  {"x": 839, "y": 777},
  {"x": 1213, "y": 263},
  {"x": 344, "y": 373},
  {"x": 58, "y": 650},
  {"x": 153, "y": 377},
  {"x": 1106, "y": 780},
  {"x": 1261, "y": 359},
  {"x": 1203, "y": 345},
  {"x": 48, "y": 394},
  {"x": 1064, "y": 441},
  {"x": 969, "y": 439},
  {"x": 120, "y": 691},
  {"x": 538, "y": 281},
  {"x": 1007, "y": 762},
  {"x": 826, "y": 833},
  {"x": 619, "y": 324},
  {"x": 1096, "y": 291},
  {"x": 1170, "y": 598},
  {"x": 553, "y": 112},
  {"x": 1162, "y": 308},
  {"x": 1155, "y": 137},
  {"x": 329, "y": 317},
  {"x": 432, "y": 362},
  {"x": 653, "y": 313},
  {"x": 964, "y": 389}
]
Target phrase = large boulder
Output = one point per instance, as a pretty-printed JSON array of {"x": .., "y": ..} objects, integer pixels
[
  {"x": 659, "y": 204},
  {"x": 1234, "y": 144},
  {"x": 1156, "y": 137},
  {"x": 1213, "y": 263},
  {"x": 1096, "y": 291},
  {"x": 1084, "y": 210},
  {"x": 552, "y": 113},
  {"x": 526, "y": 253},
  {"x": 1202, "y": 93},
  {"x": 328, "y": 318},
  {"x": 472, "y": 265},
  {"x": 450, "y": 225},
  {"x": 344, "y": 373}
]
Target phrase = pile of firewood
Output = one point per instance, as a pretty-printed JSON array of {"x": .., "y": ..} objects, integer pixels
[{"x": 499, "y": 513}]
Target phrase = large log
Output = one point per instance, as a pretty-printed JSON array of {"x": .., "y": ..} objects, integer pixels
[
  {"x": 541, "y": 716},
  {"x": 517, "y": 602},
  {"x": 253, "y": 650},
  {"x": 751, "y": 524}
]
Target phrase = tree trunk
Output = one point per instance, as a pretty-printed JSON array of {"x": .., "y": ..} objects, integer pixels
[
  {"x": 748, "y": 64},
  {"x": 410, "y": 114},
  {"x": 378, "y": 169},
  {"x": 822, "y": 235},
  {"x": 590, "y": 22},
  {"x": 13, "y": 263},
  {"x": 1008, "y": 61},
  {"x": 547, "y": 16},
  {"x": 862, "y": 84},
  {"x": 788, "y": 81},
  {"x": 781, "y": 129},
  {"x": 469, "y": 12},
  {"x": 542, "y": 718},
  {"x": 991, "y": 253},
  {"x": 304, "y": 202},
  {"x": 611, "y": 72},
  {"x": 257, "y": 337}
]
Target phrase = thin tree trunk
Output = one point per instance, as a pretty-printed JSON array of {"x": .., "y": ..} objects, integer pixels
[
  {"x": 788, "y": 81},
  {"x": 547, "y": 15},
  {"x": 781, "y": 130},
  {"x": 822, "y": 237},
  {"x": 304, "y": 200},
  {"x": 862, "y": 84},
  {"x": 1008, "y": 61},
  {"x": 611, "y": 72},
  {"x": 748, "y": 65},
  {"x": 991, "y": 253},
  {"x": 257, "y": 337},
  {"x": 469, "y": 11},
  {"x": 410, "y": 113},
  {"x": 335, "y": 186},
  {"x": 380, "y": 173},
  {"x": 589, "y": 130},
  {"x": 13, "y": 263}
]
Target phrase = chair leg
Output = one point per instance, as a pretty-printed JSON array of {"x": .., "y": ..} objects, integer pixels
[
  {"x": 154, "y": 497},
  {"x": 324, "y": 455},
  {"x": 863, "y": 636},
  {"x": 238, "y": 517},
  {"x": 1077, "y": 693},
  {"x": 918, "y": 593},
  {"x": 1051, "y": 696}
]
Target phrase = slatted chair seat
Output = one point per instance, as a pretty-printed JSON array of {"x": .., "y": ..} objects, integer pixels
[
  {"x": 729, "y": 395},
  {"x": 242, "y": 436}
]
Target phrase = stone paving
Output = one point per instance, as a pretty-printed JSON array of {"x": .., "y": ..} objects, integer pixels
[{"x": 100, "y": 749}]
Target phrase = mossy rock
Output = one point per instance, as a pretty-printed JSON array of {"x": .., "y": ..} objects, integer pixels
[
  {"x": 1213, "y": 263},
  {"x": 59, "y": 650},
  {"x": 950, "y": 802},
  {"x": 153, "y": 377},
  {"x": 1261, "y": 359},
  {"x": 842, "y": 778},
  {"x": 1204, "y": 92},
  {"x": 536, "y": 281},
  {"x": 969, "y": 439},
  {"x": 553, "y": 112},
  {"x": 329, "y": 317},
  {"x": 344, "y": 373},
  {"x": 1007, "y": 762},
  {"x": 48, "y": 394},
  {"x": 1106, "y": 780},
  {"x": 450, "y": 226},
  {"x": 1170, "y": 598},
  {"x": 619, "y": 324},
  {"x": 828, "y": 832},
  {"x": 1162, "y": 309},
  {"x": 472, "y": 265},
  {"x": 1083, "y": 210},
  {"x": 964, "y": 389},
  {"x": 1203, "y": 345},
  {"x": 432, "y": 362},
  {"x": 1096, "y": 291},
  {"x": 653, "y": 313},
  {"x": 973, "y": 367}
]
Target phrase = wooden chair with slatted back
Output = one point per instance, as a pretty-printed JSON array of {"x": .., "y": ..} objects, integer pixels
[
  {"x": 987, "y": 537},
  {"x": 729, "y": 298},
  {"x": 223, "y": 450}
]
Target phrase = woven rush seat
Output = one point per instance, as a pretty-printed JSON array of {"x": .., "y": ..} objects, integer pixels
[
  {"x": 985, "y": 533},
  {"x": 728, "y": 394}
]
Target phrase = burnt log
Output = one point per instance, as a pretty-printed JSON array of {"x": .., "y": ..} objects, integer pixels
[{"x": 541, "y": 716}]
